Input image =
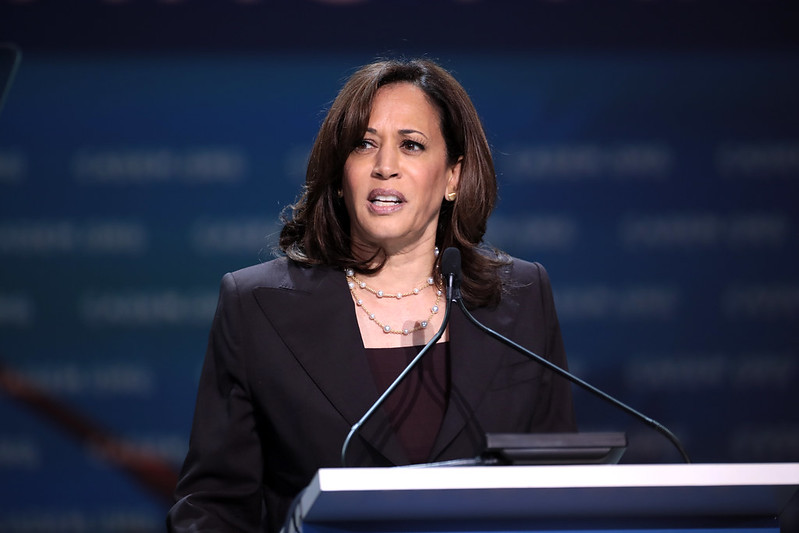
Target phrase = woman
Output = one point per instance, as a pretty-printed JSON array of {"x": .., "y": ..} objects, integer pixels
[{"x": 303, "y": 345}]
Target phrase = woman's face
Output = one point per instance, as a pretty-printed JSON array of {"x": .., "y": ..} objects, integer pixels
[{"x": 397, "y": 175}]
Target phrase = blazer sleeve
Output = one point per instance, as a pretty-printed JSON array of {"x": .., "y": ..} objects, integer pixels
[{"x": 220, "y": 485}]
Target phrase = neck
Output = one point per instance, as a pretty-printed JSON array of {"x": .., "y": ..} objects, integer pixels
[{"x": 406, "y": 268}]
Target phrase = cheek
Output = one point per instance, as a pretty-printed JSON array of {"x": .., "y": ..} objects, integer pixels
[
  {"x": 438, "y": 182},
  {"x": 346, "y": 174},
  {"x": 349, "y": 188},
  {"x": 351, "y": 175}
]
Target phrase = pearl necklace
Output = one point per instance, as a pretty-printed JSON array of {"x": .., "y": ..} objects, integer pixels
[
  {"x": 353, "y": 283},
  {"x": 380, "y": 293}
]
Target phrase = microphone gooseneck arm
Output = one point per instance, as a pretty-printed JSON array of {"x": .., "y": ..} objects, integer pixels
[
  {"x": 405, "y": 372},
  {"x": 574, "y": 379}
]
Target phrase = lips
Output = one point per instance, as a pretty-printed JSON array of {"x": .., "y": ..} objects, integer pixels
[{"x": 382, "y": 199}]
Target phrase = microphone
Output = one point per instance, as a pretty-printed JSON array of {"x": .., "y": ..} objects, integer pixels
[
  {"x": 555, "y": 368},
  {"x": 451, "y": 269}
]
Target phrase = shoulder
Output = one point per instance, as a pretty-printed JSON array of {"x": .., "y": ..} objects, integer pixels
[
  {"x": 279, "y": 273},
  {"x": 521, "y": 270},
  {"x": 511, "y": 270},
  {"x": 525, "y": 280},
  {"x": 270, "y": 273},
  {"x": 516, "y": 272}
]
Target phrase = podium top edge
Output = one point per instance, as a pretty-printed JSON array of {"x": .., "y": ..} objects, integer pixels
[{"x": 562, "y": 476}]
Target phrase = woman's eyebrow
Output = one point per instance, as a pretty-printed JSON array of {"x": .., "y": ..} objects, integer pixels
[{"x": 401, "y": 132}]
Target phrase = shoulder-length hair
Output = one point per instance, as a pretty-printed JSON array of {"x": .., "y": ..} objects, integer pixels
[{"x": 316, "y": 228}]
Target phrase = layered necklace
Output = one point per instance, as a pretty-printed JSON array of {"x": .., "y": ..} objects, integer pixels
[{"x": 356, "y": 284}]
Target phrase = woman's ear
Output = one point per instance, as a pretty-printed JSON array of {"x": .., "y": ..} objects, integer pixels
[{"x": 453, "y": 180}]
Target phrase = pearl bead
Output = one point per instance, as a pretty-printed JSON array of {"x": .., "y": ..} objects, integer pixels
[
  {"x": 424, "y": 323},
  {"x": 405, "y": 332},
  {"x": 359, "y": 301},
  {"x": 379, "y": 294},
  {"x": 387, "y": 329},
  {"x": 434, "y": 309}
]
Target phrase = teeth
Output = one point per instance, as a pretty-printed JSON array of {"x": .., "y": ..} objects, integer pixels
[{"x": 386, "y": 199}]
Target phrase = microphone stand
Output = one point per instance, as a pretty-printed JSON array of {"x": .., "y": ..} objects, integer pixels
[{"x": 574, "y": 379}]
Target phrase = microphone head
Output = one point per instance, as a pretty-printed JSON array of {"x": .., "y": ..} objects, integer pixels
[{"x": 451, "y": 263}]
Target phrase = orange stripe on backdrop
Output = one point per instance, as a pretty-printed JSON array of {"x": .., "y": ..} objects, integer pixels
[{"x": 150, "y": 471}]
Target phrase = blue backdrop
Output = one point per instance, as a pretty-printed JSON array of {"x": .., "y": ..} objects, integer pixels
[{"x": 659, "y": 188}]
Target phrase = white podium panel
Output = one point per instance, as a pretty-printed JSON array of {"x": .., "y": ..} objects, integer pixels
[{"x": 682, "y": 497}]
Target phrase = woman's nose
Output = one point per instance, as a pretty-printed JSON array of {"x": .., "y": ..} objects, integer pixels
[{"x": 386, "y": 164}]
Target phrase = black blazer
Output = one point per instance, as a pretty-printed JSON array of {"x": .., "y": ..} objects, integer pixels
[{"x": 286, "y": 376}]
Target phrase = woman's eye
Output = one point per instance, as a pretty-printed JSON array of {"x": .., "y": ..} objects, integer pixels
[
  {"x": 364, "y": 144},
  {"x": 413, "y": 146}
]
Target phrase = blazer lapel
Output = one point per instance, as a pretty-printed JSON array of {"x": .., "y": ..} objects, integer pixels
[
  {"x": 474, "y": 359},
  {"x": 312, "y": 311}
]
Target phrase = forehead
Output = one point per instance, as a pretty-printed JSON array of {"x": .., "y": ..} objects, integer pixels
[{"x": 404, "y": 102}]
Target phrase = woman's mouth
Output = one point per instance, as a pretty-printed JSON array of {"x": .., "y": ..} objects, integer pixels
[{"x": 383, "y": 201}]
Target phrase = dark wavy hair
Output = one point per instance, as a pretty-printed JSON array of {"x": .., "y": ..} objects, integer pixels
[{"x": 316, "y": 228}]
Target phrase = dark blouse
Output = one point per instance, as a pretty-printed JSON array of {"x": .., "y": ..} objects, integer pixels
[{"x": 416, "y": 408}]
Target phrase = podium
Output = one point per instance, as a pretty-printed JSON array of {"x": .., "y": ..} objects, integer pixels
[{"x": 752, "y": 498}]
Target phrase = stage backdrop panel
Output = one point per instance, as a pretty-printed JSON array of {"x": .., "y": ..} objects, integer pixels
[{"x": 659, "y": 189}]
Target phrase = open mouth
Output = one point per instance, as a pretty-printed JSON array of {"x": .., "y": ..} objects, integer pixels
[{"x": 385, "y": 198}]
